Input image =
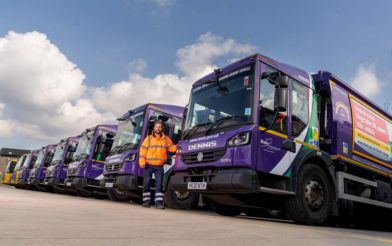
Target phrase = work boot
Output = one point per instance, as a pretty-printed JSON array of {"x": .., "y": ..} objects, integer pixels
[
  {"x": 146, "y": 205},
  {"x": 160, "y": 206}
]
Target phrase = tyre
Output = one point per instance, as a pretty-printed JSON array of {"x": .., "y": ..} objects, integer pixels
[
  {"x": 118, "y": 196},
  {"x": 83, "y": 193},
  {"x": 180, "y": 200},
  {"x": 313, "y": 201},
  {"x": 224, "y": 209}
]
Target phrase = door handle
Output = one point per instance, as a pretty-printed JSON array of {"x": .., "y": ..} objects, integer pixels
[{"x": 289, "y": 145}]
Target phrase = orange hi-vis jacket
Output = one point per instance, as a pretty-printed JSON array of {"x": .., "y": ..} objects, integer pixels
[{"x": 154, "y": 150}]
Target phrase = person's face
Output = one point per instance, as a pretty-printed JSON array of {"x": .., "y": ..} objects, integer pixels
[{"x": 158, "y": 128}]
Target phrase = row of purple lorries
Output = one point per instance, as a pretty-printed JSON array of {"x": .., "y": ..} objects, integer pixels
[{"x": 257, "y": 135}]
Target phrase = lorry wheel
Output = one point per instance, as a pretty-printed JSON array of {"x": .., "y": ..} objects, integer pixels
[
  {"x": 313, "y": 201},
  {"x": 118, "y": 196},
  {"x": 224, "y": 209},
  {"x": 180, "y": 200},
  {"x": 83, "y": 193}
]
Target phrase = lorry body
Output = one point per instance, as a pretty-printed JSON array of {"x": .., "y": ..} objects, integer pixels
[
  {"x": 20, "y": 163},
  {"x": 86, "y": 168},
  {"x": 123, "y": 176},
  {"x": 38, "y": 172},
  {"x": 9, "y": 171},
  {"x": 262, "y": 134},
  {"x": 23, "y": 173},
  {"x": 57, "y": 170}
]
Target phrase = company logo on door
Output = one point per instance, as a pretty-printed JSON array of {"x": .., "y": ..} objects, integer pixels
[{"x": 204, "y": 145}]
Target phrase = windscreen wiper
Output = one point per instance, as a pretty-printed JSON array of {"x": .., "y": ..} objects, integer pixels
[
  {"x": 194, "y": 128},
  {"x": 221, "y": 120}
]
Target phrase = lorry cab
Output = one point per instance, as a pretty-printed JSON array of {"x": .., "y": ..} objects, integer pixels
[
  {"x": 244, "y": 126},
  {"x": 123, "y": 178},
  {"x": 23, "y": 172},
  {"x": 8, "y": 171},
  {"x": 20, "y": 163},
  {"x": 57, "y": 170},
  {"x": 86, "y": 168},
  {"x": 38, "y": 172}
]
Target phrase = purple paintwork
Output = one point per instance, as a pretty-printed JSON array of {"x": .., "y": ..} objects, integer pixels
[
  {"x": 340, "y": 128},
  {"x": 25, "y": 171},
  {"x": 259, "y": 157},
  {"x": 87, "y": 168},
  {"x": 58, "y": 170},
  {"x": 38, "y": 173}
]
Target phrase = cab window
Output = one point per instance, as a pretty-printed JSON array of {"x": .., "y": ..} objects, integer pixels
[
  {"x": 267, "y": 111},
  {"x": 177, "y": 124},
  {"x": 162, "y": 117},
  {"x": 299, "y": 108}
]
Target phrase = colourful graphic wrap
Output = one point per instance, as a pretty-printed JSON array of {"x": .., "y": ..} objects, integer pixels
[{"x": 372, "y": 132}]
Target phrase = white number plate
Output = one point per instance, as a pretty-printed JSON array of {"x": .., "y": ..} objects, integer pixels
[
  {"x": 108, "y": 185},
  {"x": 68, "y": 184},
  {"x": 197, "y": 185}
]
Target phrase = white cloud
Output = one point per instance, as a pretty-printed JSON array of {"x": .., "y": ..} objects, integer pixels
[
  {"x": 45, "y": 97},
  {"x": 39, "y": 86},
  {"x": 193, "y": 61},
  {"x": 137, "y": 66},
  {"x": 366, "y": 81}
]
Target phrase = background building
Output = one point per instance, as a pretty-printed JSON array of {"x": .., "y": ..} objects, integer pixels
[{"x": 9, "y": 153}]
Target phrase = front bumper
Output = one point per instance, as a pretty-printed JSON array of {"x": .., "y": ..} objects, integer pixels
[
  {"x": 121, "y": 182},
  {"x": 33, "y": 181},
  {"x": 224, "y": 181},
  {"x": 52, "y": 181},
  {"x": 76, "y": 182}
]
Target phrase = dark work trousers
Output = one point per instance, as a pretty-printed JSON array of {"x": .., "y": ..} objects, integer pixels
[{"x": 147, "y": 177}]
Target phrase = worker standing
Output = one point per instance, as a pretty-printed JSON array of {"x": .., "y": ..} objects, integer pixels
[{"x": 153, "y": 156}]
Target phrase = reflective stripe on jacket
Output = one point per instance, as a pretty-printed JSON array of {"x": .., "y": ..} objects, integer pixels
[{"x": 153, "y": 150}]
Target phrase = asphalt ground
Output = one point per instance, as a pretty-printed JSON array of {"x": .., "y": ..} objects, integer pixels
[{"x": 38, "y": 218}]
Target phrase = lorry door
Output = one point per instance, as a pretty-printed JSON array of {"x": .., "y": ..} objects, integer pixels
[
  {"x": 303, "y": 123},
  {"x": 272, "y": 132}
]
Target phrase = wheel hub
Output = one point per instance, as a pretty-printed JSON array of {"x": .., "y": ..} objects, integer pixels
[
  {"x": 181, "y": 195},
  {"x": 314, "y": 194}
]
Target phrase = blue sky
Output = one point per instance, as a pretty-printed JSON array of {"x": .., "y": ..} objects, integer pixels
[{"x": 102, "y": 38}]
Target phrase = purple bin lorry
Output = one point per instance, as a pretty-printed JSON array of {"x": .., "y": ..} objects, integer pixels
[
  {"x": 262, "y": 134},
  {"x": 57, "y": 170},
  {"x": 23, "y": 172},
  {"x": 38, "y": 171},
  {"x": 86, "y": 169},
  {"x": 123, "y": 176}
]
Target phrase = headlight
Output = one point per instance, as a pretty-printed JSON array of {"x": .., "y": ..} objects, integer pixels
[
  {"x": 240, "y": 139},
  {"x": 179, "y": 150},
  {"x": 130, "y": 158},
  {"x": 83, "y": 164}
]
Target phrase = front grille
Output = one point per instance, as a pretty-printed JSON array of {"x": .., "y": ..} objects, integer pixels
[
  {"x": 113, "y": 167},
  {"x": 72, "y": 171},
  {"x": 208, "y": 156}
]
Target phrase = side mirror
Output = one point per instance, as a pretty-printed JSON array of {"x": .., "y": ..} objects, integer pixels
[
  {"x": 280, "y": 101},
  {"x": 111, "y": 134},
  {"x": 72, "y": 148},
  {"x": 281, "y": 91}
]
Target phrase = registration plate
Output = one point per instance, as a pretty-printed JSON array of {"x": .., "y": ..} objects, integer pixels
[
  {"x": 108, "y": 185},
  {"x": 68, "y": 184},
  {"x": 197, "y": 185}
]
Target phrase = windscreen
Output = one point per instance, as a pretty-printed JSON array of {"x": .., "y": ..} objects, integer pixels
[
  {"x": 25, "y": 162},
  {"x": 40, "y": 158},
  {"x": 208, "y": 106},
  {"x": 84, "y": 146},
  {"x": 129, "y": 132},
  {"x": 58, "y": 153}
]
